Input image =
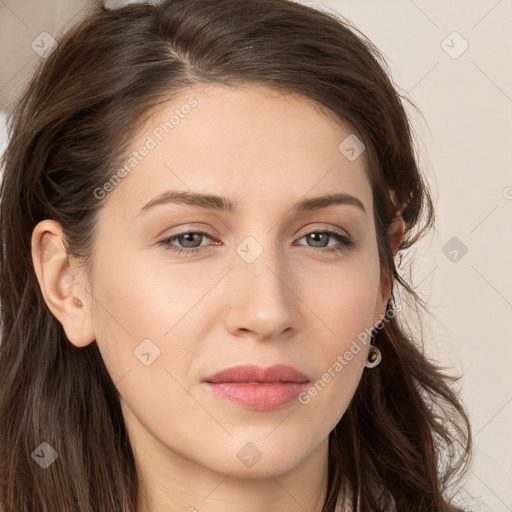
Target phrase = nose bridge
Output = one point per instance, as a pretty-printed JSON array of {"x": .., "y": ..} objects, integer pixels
[{"x": 263, "y": 301}]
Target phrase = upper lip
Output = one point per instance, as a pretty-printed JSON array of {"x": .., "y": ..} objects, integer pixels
[{"x": 252, "y": 373}]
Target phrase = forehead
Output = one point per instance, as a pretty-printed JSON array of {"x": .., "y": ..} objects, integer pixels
[{"x": 250, "y": 143}]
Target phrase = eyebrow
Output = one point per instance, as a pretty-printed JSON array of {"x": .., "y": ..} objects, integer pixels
[{"x": 214, "y": 202}]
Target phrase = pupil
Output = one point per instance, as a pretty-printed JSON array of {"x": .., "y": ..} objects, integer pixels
[
  {"x": 188, "y": 237},
  {"x": 317, "y": 236}
]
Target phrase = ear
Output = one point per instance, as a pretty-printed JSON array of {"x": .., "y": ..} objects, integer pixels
[
  {"x": 395, "y": 236},
  {"x": 64, "y": 292},
  {"x": 396, "y": 233}
]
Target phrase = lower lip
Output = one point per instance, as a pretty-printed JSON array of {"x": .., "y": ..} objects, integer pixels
[{"x": 261, "y": 397}]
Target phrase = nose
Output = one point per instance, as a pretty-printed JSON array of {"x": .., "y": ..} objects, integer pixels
[{"x": 262, "y": 302}]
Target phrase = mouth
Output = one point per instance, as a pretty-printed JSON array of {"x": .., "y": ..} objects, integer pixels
[
  {"x": 256, "y": 388},
  {"x": 252, "y": 374}
]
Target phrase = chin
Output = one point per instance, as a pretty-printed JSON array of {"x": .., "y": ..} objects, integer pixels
[{"x": 257, "y": 459}]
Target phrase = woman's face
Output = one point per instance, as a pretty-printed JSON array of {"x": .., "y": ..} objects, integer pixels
[{"x": 264, "y": 286}]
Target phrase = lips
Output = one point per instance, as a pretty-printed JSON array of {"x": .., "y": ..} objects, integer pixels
[
  {"x": 251, "y": 374},
  {"x": 260, "y": 389}
]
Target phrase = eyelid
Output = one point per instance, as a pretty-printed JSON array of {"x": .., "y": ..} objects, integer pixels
[
  {"x": 326, "y": 227},
  {"x": 190, "y": 229}
]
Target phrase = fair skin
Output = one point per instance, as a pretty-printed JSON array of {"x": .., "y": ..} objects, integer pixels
[{"x": 293, "y": 304}]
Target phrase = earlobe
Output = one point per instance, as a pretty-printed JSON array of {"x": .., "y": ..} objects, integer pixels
[{"x": 64, "y": 292}]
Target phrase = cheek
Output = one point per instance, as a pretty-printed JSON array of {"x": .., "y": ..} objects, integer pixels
[
  {"x": 345, "y": 307},
  {"x": 141, "y": 297},
  {"x": 147, "y": 316},
  {"x": 344, "y": 298}
]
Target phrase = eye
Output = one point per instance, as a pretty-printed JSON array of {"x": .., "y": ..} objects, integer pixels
[
  {"x": 191, "y": 242},
  {"x": 321, "y": 238},
  {"x": 190, "y": 239}
]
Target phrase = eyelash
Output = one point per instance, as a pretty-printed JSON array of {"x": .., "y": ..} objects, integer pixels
[{"x": 346, "y": 242}]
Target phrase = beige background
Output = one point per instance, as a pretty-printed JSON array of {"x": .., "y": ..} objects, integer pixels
[
  {"x": 21, "y": 21},
  {"x": 464, "y": 140}
]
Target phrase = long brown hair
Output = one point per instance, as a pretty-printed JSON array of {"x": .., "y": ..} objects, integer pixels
[{"x": 405, "y": 435}]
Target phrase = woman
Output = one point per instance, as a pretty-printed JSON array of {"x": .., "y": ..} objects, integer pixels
[{"x": 201, "y": 208}]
